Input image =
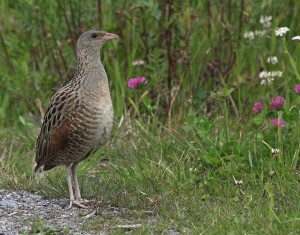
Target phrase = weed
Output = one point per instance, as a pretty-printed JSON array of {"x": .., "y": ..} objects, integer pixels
[{"x": 201, "y": 146}]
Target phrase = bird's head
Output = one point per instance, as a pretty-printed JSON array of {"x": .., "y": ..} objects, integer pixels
[{"x": 94, "y": 40}]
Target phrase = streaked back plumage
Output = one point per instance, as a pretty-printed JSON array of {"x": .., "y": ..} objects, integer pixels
[{"x": 79, "y": 116}]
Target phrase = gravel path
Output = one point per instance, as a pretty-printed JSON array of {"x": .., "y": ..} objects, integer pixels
[{"x": 22, "y": 212}]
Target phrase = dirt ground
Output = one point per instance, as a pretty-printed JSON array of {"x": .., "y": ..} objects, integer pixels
[{"x": 26, "y": 213}]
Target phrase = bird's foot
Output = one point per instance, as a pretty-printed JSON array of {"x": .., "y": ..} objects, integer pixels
[
  {"x": 84, "y": 201},
  {"x": 79, "y": 203}
]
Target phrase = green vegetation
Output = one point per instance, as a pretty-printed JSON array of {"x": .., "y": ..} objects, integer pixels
[{"x": 187, "y": 146}]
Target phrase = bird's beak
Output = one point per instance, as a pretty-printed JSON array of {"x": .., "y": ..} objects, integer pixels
[{"x": 109, "y": 36}]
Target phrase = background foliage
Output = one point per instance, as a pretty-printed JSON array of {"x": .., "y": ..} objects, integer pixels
[{"x": 180, "y": 139}]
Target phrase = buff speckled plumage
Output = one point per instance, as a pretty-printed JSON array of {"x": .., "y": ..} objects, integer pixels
[{"x": 79, "y": 117}]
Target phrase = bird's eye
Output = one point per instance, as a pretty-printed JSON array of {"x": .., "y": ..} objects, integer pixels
[{"x": 93, "y": 35}]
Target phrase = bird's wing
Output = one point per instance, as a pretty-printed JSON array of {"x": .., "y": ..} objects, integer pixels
[{"x": 54, "y": 135}]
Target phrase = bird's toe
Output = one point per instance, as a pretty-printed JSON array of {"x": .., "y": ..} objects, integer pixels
[{"x": 77, "y": 203}]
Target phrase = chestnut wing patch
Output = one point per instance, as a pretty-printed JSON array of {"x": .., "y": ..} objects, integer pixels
[
  {"x": 48, "y": 145},
  {"x": 54, "y": 135}
]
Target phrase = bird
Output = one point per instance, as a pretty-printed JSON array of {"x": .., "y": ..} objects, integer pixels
[{"x": 79, "y": 117}]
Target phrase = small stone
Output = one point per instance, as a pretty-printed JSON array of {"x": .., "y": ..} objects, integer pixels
[
  {"x": 8, "y": 204},
  {"x": 27, "y": 199},
  {"x": 45, "y": 203}
]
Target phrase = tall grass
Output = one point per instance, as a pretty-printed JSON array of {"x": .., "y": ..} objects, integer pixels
[
  {"x": 187, "y": 52},
  {"x": 187, "y": 146}
]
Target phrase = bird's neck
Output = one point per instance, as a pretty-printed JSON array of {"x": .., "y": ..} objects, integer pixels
[{"x": 90, "y": 71}]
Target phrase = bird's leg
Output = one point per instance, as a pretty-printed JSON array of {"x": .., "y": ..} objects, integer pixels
[
  {"x": 75, "y": 181},
  {"x": 76, "y": 184},
  {"x": 73, "y": 201},
  {"x": 69, "y": 180}
]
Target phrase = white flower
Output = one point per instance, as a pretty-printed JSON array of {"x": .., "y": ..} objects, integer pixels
[
  {"x": 274, "y": 151},
  {"x": 267, "y": 81},
  {"x": 265, "y": 21},
  {"x": 268, "y": 77},
  {"x": 257, "y": 33},
  {"x": 276, "y": 74},
  {"x": 281, "y": 31},
  {"x": 237, "y": 182},
  {"x": 296, "y": 38},
  {"x": 264, "y": 74},
  {"x": 260, "y": 33},
  {"x": 272, "y": 60},
  {"x": 138, "y": 62},
  {"x": 249, "y": 35},
  {"x": 268, "y": 74}
]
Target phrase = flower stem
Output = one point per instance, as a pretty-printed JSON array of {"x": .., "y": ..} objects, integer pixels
[{"x": 291, "y": 60}]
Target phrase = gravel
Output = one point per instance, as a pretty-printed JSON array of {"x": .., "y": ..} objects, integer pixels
[{"x": 23, "y": 212}]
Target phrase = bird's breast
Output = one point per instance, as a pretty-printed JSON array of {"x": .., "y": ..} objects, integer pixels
[{"x": 97, "y": 110}]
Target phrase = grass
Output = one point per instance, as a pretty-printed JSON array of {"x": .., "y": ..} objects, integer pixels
[
  {"x": 190, "y": 155},
  {"x": 167, "y": 176}
]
